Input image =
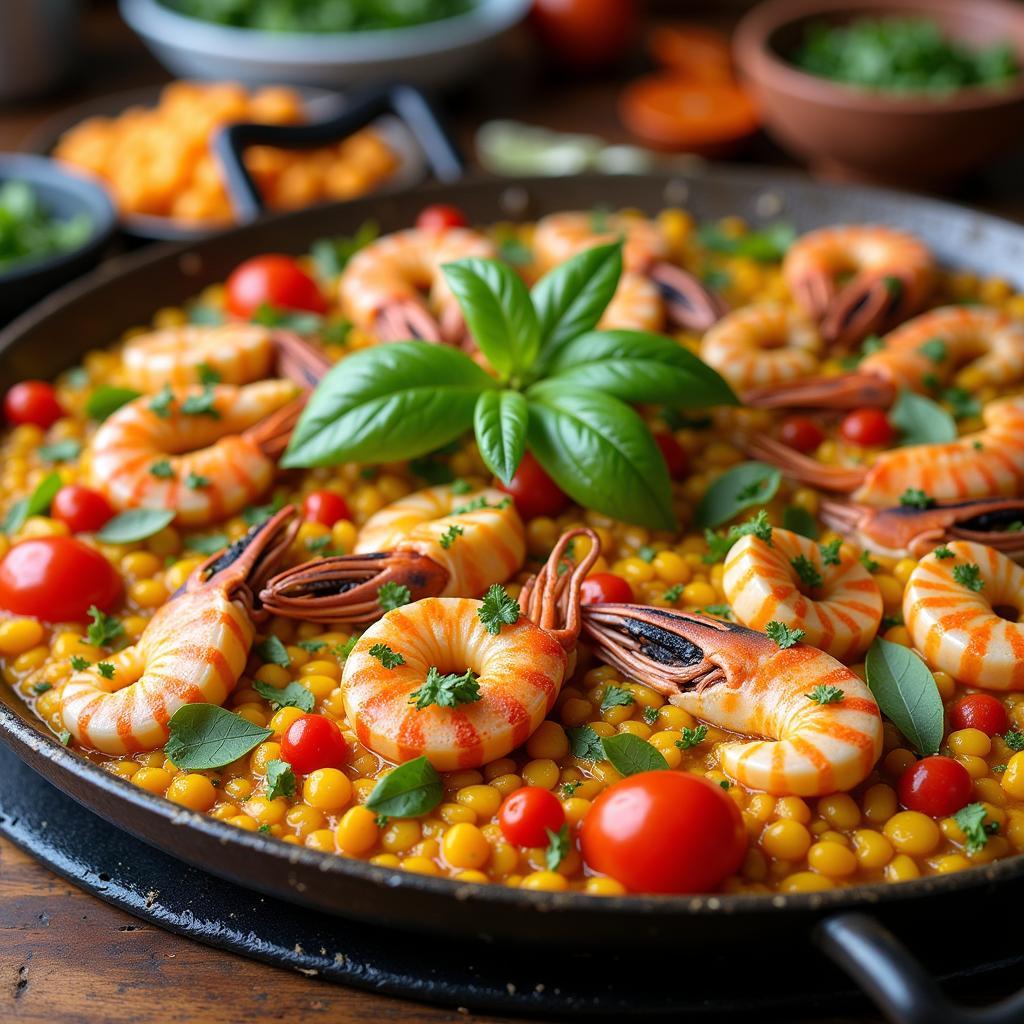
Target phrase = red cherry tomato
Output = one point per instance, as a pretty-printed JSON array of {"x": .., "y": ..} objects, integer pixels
[
  {"x": 325, "y": 507},
  {"x": 664, "y": 831},
  {"x": 585, "y": 33},
  {"x": 57, "y": 579},
  {"x": 272, "y": 280},
  {"x": 938, "y": 786},
  {"x": 32, "y": 401},
  {"x": 525, "y": 814},
  {"x": 867, "y": 427},
  {"x": 675, "y": 455},
  {"x": 979, "y": 711},
  {"x": 312, "y": 742},
  {"x": 440, "y": 217},
  {"x": 605, "y": 588},
  {"x": 81, "y": 508},
  {"x": 533, "y": 491},
  {"x": 801, "y": 433}
]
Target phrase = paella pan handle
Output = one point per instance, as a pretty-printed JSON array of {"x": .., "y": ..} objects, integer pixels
[
  {"x": 895, "y": 981},
  {"x": 405, "y": 102}
]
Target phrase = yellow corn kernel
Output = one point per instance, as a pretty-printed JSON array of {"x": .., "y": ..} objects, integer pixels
[
  {"x": 699, "y": 594},
  {"x": 284, "y": 718},
  {"x": 969, "y": 741},
  {"x": 244, "y": 821},
  {"x": 840, "y": 810},
  {"x": 274, "y": 675},
  {"x": 327, "y": 789},
  {"x": 357, "y": 831},
  {"x": 548, "y": 742},
  {"x": 343, "y": 536},
  {"x": 506, "y": 784},
  {"x": 401, "y": 835},
  {"x": 805, "y": 881},
  {"x": 321, "y": 667},
  {"x": 19, "y": 635},
  {"x": 891, "y": 588},
  {"x": 178, "y": 573},
  {"x": 872, "y": 849},
  {"x": 320, "y": 686},
  {"x": 879, "y": 803},
  {"x": 321, "y": 839},
  {"x": 1013, "y": 778},
  {"x": 786, "y": 839},
  {"x": 193, "y": 791},
  {"x": 484, "y": 800},
  {"x": 945, "y": 684},
  {"x": 142, "y": 565},
  {"x": 303, "y": 819},
  {"x": 263, "y": 755},
  {"x": 238, "y": 789},
  {"x": 913, "y": 833},
  {"x": 545, "y": 881},
  {"x": 671, "y": 568},
  {"x": 832, "y": 859},
  {"x": 902, "y": 869},
  {"x": 148, "y": 593},
  {"x": 793, "y": 807},
  {"x": 464, "y": 846},
  {"x": 153, "y": 780}
]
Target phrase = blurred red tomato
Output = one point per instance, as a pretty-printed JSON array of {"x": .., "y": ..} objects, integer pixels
[{"x": 585, "y": 34}]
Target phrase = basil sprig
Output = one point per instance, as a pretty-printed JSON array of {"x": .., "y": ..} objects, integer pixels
[
  {"x": 560, "y": 389},
  {"x": 906, "y": 693}
]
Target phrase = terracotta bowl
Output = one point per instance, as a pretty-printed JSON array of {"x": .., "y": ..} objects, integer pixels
[{"x": 852, "y": 133}]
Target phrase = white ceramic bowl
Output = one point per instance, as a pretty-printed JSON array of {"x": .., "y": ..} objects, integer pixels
[{"x": 435, "y": 54}]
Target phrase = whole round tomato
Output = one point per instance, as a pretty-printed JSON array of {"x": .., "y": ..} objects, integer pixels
[
  {"x": 32, "y": 401},
  {"x": 313, "y": 742},
  {"x": 82, "y": 509},
  {"x": 533, "y": 491},
  {"x": 605, "y": 588},
  {"x": 325, "y": 507},
  {"x": 979, "y": 711},
  {"x": 938, "y": 786},
  {"x": 664, "y": 831},
  {"x": 585, "y": 34},
  {"x": 676, "y": 458},
  {"x": 57, "y": 579},
  {"x": 526, "y": 814},
  {"x": 272, "y": 280},
  {"x": 440, "y": 217},
  {"x": 867, "y": 427},
  {"x": 801, "y": 433}
]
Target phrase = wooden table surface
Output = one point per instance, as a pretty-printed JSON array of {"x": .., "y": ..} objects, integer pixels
[{"x": 67, "y": 956}]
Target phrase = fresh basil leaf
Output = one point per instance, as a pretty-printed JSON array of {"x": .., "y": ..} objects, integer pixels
[
  {"x": 629, "y": 754},
  {"x": 135, "y": 524},
  {"x": 749, "y": 483},
  {"x": 35, "y": 504},
  {"x": 498, "y": 312},
  {"x": 585, "y": 744},
  {"x": 799, "y": 520},
  {"x": 293, "y": 320},
  {"x": 60, "y": 451},
  {"x": 206, "y": 736},
  {"x": 412, "y": 789},
  {"x": 294, "y": 695},
  {"x": 208, "y": 543},
  {"x": 639, "y": 367},
  {"x": 906, "y": 693},
  {"x": 601, "y": 453},
  {"x": 765, "y": 245},
  {"x": 920, "y": 420},
  {"x": 273, "y": 651},
  {"x": 386, "y": 403},
  {"x": 108, "y": 399},
  {"x": 500, "y": 421},
  {"x": 571, "y": 298},
  {"x": 331, "y": 255}
]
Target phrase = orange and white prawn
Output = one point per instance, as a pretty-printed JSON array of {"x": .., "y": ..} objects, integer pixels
[
  {"x": 686, "y": 301},
  {"x": 511, "y": 672},
  {"x": 762, "y": 346},
  {"x": 383, "y": 288},
  {"x": 855, "y": 279},
  {"x": 961, "y": 345},
  {"x": 952, "y": 605},
  {"x": 193, "y": 650},
  {"x": 822, "y": 727},
  {"x": 434, "y": 543},
  {"x": 789, "y": 579},
  {"x": 204, "y": 453},
  {"x": 985, "y": 464}
]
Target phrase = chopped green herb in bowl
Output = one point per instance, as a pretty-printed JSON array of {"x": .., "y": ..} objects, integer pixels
[{"x": 29, "y": 231}]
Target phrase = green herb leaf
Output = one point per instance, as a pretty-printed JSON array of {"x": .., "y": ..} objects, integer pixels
[
  {"x": 823, "y": 694},
  {"x": 962, "y": 403},
  {"x": 105, "y": 669},
  {"x": 766, "y": 245},
  {"x": 331, "y": 255},
  {"x": 208, "y": 544},
  {"x": 411, "y": 790},
  {"x": 906, "y": 693},
  {"x": 387, "y": 657},
  {"x": 806, "y": 571},
  {"x": 968, "y": 576},
  {"x": 920, "y": 420},
  {"x": 830, "y": 552},
  {"x": 558, "y": 847},
  {"x": 782, "y": 635},
  {"x": 273, "y": 652},
  {"x": 312, "y": 645},
  {"x": 205, "y": 316},
  {"x": 107, "y": 399},
  {"x": 629, "y": 754},
  {"x": 451, "y": 535},
  {"x": 934, "y": 349},
  {"x": 135, "y": 524},
  {"x": 294, "y": 695},
  {"x": 280, "y": 779},
  {"x": 914, "y": 497},
  {"x": 499, "y": 422},
  {"x": 692, "y": 737},
  {"x": 78, "y": 663},
  {"x": 868, "y": 562},
  {"x": 36, "y": 504},
  {"x": 162, "y": 470},
  {"x": 206, "y": 736},
  {"x": 393, "y": 595},
  {"x": 616, "y": 697},
  {"x": 386, "y": 403},
  {"x": 749, "y": 483},
  {"x": 601, "y": 453},
  {"x": 650, "y": 715},
  {"x": 104, "y": 629},
  {"x": 720, "y": 611},
  {"x": 673, "y": 593},
  {"x": 976, "y": 829},
  {"x": 446, "y": 691},
  {"x": 60, "y": 451},
  {"x": 196, "y": 482},
  {"x": 799, "y": 520},
  {"x": 202, "y": 404},
  {"x": 585, "y": 744}
]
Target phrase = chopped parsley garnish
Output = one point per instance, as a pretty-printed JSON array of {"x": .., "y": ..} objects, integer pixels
[
  {"x": 105, "y": 669},
  {"x": 263, "y": 828},
  {"x": 207, "y": 374},
  {"x": 999, "y": 768},
  {"x": 479, "y": 503},
  {"x": 969, "y": 576},
  {"x": 344, "y": 650},
  {"x": 104, "y": 629},
  {"x": 446, "y": 691},
  {"x": 387, "y": 657},
  {"x": 806, "y": 571},
  {"x": 203, "y": 404},
  {"x": 721, "y": 611},
  {"x": 782, "y": 635},
  {"x": 1014, "y": 739},
  {"x": 558, "y": 847},
  {"x": 889, "y": 621},
  {"x": 692, "y": 737},
  {"x": 41, "y": 688},
  {"x": 78, "y": 663},
  {"x": 719, "y": 544},
  {"x": 196, "y": 482},
  {"x": 461, "y": 487},
  {"x": 943, "y": 552},
  {"x": 585, "y": 744},
  {"x": 914, "y": 497},
  {"x": 976, "y": 830},
  {"x": 616, "y": 697},
  {"x": 253, "y": 515},
  {"x": 568, "y": 788},
  {"x": 161, "y": 404},
  {"x": 868, "y": 562},
  {"x": 448, "y": 538},
  {"x": 674, "y": 592},
  {"x": 823, "y": 694},
  {"x": 725, "y": 784},
  {"x": 934, "y": 349},
  {"x": 393, "y": 595},
  {"x": 651, "y": 715},
  {"x": 162, "y": 470},
  {"x": 312, "y": 646},
  {"x": 962, "y": 404},
  {"x": 830, "y": 552},
  {"x": 646, "y": 553},
  {"x": 294, "y": 695},
  {"x": 280, "y": 779},
  {"x": 498, "y": 609},
  {"x": 319, "y": 545}
]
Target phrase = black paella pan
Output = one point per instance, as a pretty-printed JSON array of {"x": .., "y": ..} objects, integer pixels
[{"x": 696, "y": 929}]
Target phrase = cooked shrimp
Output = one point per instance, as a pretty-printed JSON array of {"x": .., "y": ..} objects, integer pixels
[
  {"x": 560, "y": 236},
  {"x": 204, "y": 453},
  {"x": 512, "y": 677},
  {"x": 635, "y": 306},
  {"x": 737, "y": 679},
  {"x": 956, "y": 607},
  {"x": 963, "y": 345},
  {"x": 985, "y": 464},
  {"x": 434, "y": 542},
  {"x": 382, "y": 288},
  {"x": 903, "y": 530},
  {"x": 193, "y": 650},
  {"x": 762, "y": 345},
  {"x": 836, "y": 603},
  {"x": 233, "y": 353},
  {"x": 892, "y": 274}
]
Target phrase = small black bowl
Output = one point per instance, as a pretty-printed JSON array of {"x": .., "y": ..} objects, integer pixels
[{"x": 65, "y": 194}]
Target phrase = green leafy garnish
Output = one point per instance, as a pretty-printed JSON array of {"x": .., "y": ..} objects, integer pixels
[
  {"x": 943, "y": 552},
  {"x": 207, "y": 375},
  {"x": 830, "y": 552},
  {"x": 105, "y": 669},
  {"x": 446, "y": 691},
  {"x": 962, "y": 403},
  {"x": 196, "y": 482},
  {"x": 721, "y": 611},
  {"x": 868, "y": 562},
  {"x": 135, "y": 524},
  {"x": 629, "y": 754},
  {"x": 674, "y": 592},
  {"x": 104, "y": 629},
  {"x": 40, "y": 688},
  {"x": 203, "y": 404},
  {"x": 162, "y": 403},
  {"x": 782, "y": 635},
  {"x": 208, "y": 543},
  {"x": 273, "y": 651},
  {"x": 205, "y": 736},
  {"x": 969, "y": 576},
  {"x": 806, "y": 571},
  {"x": 498, "y": 609},
  {"x": 60, "y": 451},
  {"x": 920, "y": 420},
  {"x": 650, "y": 715},
  {"x": 106, "y": 400},
  {"x": 914, "y": 497},
  {"x": 1014, "y": 739},
  {"x": 719, "y": 544},
  {"x": 393, "y": 595},
  {"x": 342, "y": 651},
  {"x": 692, "y": 737},
  {"x": 411, "y": 790},
  {"x": 387, "y": 657},
  {"x": 766, "y": 245},
  {"x": 280, "y": 779},
  {"x": 976, "y": 829},
  {"x": 616, "y": 697},
  {"x": 294, "y": 695},
  {"x": 558, "y": 847},
  {"x": 906, "y": 693},
  {"x": 585, "y": 744},
  {"x": 312, "y": 646},
  {"x": 749, "y": 483},
  {"x": 162, "y": 470},
  {"x": 934, "y": 349},
  {"x": 824, "y": 694},
  {"x": 331, "y": 255},
  {"x": 36, "y": 504},
  {"x": 78, "y": 663},
  {"x": 448, "y": 538},
  {"x": 31, "y": 231}
]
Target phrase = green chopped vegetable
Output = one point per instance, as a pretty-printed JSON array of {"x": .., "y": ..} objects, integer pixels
[{"x": 29, "y": 232}]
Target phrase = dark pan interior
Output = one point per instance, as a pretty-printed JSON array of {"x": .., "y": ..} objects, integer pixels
[{"x": 125, "y": 293}]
